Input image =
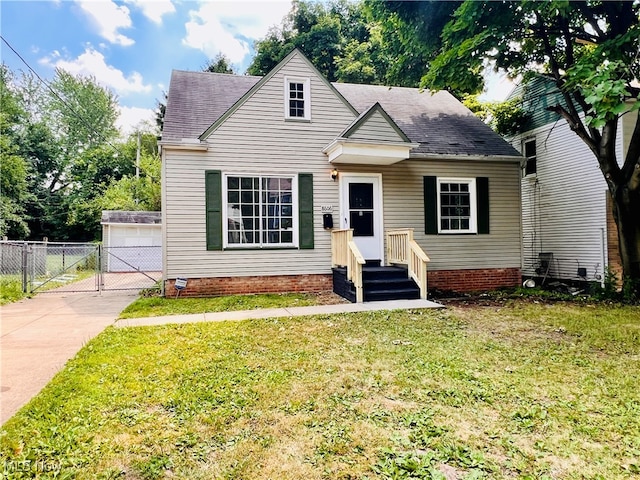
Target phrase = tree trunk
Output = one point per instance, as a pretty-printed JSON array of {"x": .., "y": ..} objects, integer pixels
[{"x": 626, "y": 212}]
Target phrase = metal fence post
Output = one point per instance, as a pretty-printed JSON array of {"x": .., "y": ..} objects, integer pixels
[
  {"x": 25, "y": 267},
  {"x": 99, "y": 268}
]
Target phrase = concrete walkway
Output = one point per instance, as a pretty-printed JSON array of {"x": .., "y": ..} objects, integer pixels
[
  {"x": 279, "y": 312},
  {"x": 39, "y": 335}
]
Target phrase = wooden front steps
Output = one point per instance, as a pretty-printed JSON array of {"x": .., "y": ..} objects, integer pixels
[{"x": 379, "y": 283}]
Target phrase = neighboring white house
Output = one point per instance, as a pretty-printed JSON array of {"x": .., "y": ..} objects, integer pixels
[
  {"x": 261, "y": 175},
  {"x": 568, "y": 231},
  {"x": 132, "y": 241}
]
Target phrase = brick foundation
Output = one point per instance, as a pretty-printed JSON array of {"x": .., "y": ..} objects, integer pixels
[
  {"x": 205, "y": 287},
  {"x": 473, "y": 280},
  {"x": 613, "y": 244},
  {"x": 450, "y": 280}
]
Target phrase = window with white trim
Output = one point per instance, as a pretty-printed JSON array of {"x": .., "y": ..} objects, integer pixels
[
  {"x": 260, "y": 211},
  {"x": 457, "y": 205},
  {"x": 297, "y": 98},
  {"x": 531, "y": 162}
]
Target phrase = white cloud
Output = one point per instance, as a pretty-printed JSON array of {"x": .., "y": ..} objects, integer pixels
[
  {"x": 133, "y": 118},
  {"x": 219, "y": 26},
  {"x": 109, "y": 18},
  {"x": 154, "y": 9},
  {"x": 93, "y": 63}
]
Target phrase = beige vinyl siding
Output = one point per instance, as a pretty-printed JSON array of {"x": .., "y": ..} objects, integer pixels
[
  {"x": 628, "y": 124},
  {"x": 403, "y": 200},
  {"x": 563, "y": 205},
  {"x": 376, "y": 128},
  {"x": 255, "y": 139}
]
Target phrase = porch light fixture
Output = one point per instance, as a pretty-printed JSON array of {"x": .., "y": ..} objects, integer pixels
[{"x": 334, "y": 174}]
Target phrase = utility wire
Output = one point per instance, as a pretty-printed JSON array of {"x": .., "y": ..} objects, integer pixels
[{"x": 62, "y": 100}]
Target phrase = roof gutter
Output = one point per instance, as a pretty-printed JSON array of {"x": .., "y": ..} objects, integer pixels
[{"x": 475, "y": 158}]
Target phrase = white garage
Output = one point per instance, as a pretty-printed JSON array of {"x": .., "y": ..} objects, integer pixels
[{"x": 132, "y": 241}]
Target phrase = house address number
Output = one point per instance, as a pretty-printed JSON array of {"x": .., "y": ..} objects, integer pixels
[{"x": 326, "y": 208}]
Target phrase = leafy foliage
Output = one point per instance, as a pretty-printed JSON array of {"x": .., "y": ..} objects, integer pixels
[
  {"x": 372, "y": 42},
  {"x": 219, "y": 64},
  {"x": 590, "y": 50},
  {"x": 507, "y": 118},
  {"x": 61, "y": 152},
  {"x": 14, "y": 169}
]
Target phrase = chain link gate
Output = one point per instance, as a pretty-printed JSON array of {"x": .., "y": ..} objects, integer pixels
[{"x": 79, "y": 267}]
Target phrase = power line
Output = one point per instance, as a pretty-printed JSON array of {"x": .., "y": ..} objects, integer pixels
[{"x": 63, "y": 101}]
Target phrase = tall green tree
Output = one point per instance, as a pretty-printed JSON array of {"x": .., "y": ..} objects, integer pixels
[
  {"x": 219, "y": 64},
  {"x": 323, "y": 31},
  {"x": 591, "y": 50},
  {"x": 406, "y": 36},
  {"x": 14, "y": 168}
]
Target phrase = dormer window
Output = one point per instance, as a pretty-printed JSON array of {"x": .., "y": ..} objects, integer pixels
[{"x": 297, "y": 99}]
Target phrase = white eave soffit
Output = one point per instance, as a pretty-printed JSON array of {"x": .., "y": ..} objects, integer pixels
[
  {"x": 348, "y": 151},
  {"x": 183, "y": 144}
]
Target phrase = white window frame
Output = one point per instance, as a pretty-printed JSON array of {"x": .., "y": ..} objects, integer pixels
[
  {"x": 306, "y": 92},
  {"x": 473, "y": 213},
  {"x": 259, "y": 245},
  {"x": 529, "y": 158}
]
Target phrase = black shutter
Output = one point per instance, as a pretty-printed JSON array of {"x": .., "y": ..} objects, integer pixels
[
  {"x": 305, "y": 209},
  {"x": 482, "y": 197},
  {"x": 430, "y": 205},
  {"x": 213, "y": 202}
]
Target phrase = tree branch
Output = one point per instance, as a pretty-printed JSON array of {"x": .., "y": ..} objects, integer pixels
[
  {"x": 576, "y": 126},
  {"x": 631, "y": 167},
  {"x": 592, "y": 138}
]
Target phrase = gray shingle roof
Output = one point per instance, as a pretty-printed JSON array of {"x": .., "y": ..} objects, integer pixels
[
  {"x": 197, "y": 99},
  {"x": 131, "y": 217},
  {"x": 440, "y": 123}
]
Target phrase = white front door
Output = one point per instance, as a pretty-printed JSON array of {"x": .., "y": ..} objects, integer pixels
[{"x": 361, "y": 209}]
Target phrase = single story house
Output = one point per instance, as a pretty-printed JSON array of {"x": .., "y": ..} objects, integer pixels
[{"x": 289, "y": 182}]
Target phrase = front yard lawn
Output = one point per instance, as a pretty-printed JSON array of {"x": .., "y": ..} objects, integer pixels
[
  {"x": 159, "y": 306},
  {"x": 523, "y": 390}
]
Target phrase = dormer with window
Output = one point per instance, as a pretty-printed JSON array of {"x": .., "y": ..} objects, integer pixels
[{"x": 297, "y": 96}]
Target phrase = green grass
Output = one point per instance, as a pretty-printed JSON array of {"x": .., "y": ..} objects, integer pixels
[
  {"x": 158, "y": 306},
  {"x": 10, "y": 289},
  {"x": 11, "y": 285},
  {"x": 515, "y": 391}
]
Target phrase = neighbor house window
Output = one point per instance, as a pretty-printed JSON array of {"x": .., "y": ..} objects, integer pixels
[
  {"x": 259, "y": 211},
  {"x": 456, "y": 205},
  {"x": 297, "y": 98},
  {"x": 530, "y": 166}
]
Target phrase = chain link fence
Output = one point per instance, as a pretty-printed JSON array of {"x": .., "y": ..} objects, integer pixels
[{"x": 75, "y": 267}]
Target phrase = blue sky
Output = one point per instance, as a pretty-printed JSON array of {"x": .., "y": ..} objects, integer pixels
[{"x": 131, "y": 46}]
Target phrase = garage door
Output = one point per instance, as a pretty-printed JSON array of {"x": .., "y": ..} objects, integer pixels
[{"x": 133, "y": 248}]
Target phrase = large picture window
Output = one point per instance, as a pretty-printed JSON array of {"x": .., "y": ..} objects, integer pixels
[
  {"x": 260, "y": 211},
  {"x": 456, "y": 205}
]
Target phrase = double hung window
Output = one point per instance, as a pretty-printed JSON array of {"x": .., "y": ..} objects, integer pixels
[
  {"x": 456, "y": 205},
  {"x": 297, "y": 99}
]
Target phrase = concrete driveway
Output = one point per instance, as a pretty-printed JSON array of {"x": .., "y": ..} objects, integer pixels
[{"x": 39, "y": 335}]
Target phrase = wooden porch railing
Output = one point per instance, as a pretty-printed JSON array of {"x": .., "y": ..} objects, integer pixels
[
  {"x": 403, "y": 249},
  {"x": 345, "y": 253}
]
